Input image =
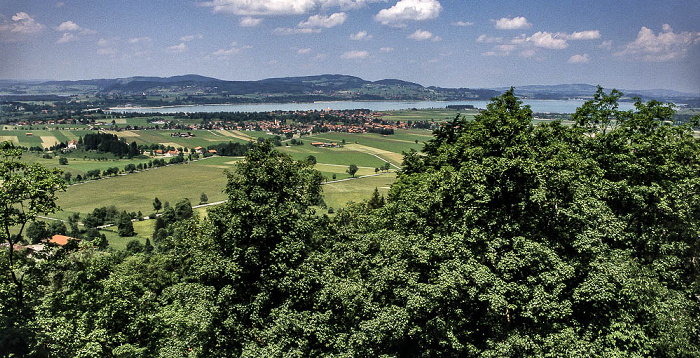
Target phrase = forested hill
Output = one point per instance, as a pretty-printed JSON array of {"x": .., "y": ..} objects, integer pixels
[
  {"x": 501, "y": 239},
  {"x": 306, "y": 88}
]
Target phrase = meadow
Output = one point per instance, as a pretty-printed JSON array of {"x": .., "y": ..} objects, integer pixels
[{"x": 134, "y": 192}]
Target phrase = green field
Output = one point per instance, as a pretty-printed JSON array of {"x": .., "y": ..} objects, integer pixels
[
  {"x": 135, "y": 192},
  {"x": 338, "y": 195}
]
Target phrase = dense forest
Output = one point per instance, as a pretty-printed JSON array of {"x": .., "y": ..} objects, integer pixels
[{"x": 500, "y": 239}]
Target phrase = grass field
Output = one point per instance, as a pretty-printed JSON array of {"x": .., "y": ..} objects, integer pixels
[
  {"x": 135, "y": 192},
  {"x": 338, "y": 195}
]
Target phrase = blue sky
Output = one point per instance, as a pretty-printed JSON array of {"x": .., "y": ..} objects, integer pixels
[{"x": 621, "y": 44}]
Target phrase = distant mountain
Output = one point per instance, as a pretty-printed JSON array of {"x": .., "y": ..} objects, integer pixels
[
  {"x": 568, "y": 91},
  {"x": 196, "y": 89},
  {"x": 199, "y": 89}
]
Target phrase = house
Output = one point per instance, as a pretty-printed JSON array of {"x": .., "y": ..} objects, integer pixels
[
  {"x": 198, "y": 150},
  {"x": 61, "y": 240},
  {"x": 72, "y": 144},
  {"x": 212, "y": 151},
  {"x": 29, "y": 134}
]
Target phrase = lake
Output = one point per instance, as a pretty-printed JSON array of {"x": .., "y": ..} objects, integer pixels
[{"x": 541, "y": 106}]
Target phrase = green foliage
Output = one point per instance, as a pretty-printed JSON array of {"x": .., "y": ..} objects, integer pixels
[
  {"x": 157, "y": 205},
  {"x": 352, "y": 169},
  {"x": 36, "y": 231},
  {"x": 502, "y": 239},
  {"x": 124, "y": 225}
]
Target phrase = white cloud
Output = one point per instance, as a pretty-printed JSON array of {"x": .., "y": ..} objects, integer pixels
[
  {"x": 463, "y": 23},
  {"x": 68, "y": 26},
  {"x": 140, "y": 40},
  {"x": 181, "y": 47},
  {"x": 421, "y": 35},
  {"x": 548, "y": 40},
  {"x": 67, "y": 37},
  {"x": 606, "y": 45},
  {"x": 280, "y": 7},
  {"x": 249, "y": 21},
  {"x": 665, "y": 46},
  {"x": 488, "y": 39},
  {"x": 60, "y": 4},
  {"x": 512, "y": 24},
  {"x": 189, "y": 38},
  {"x": 355, "y": 55},
  {"x": 232, "y": 50},
  {"x": 579, "y": 58},
  {"x": 20, "y": 26},
  {"x": 409, "y": 10},
  {"x": 317, "y": 21},
  {"x": 585, "y": 35},
  {"x": 303, "y": 51},
  {"x": 262, "y": 7},
  {"x": 527, "y": 53},
  {"x": 360, "y": 35},
  {"x": 293, "y": 31},
  {"x": 70, "y": 29},
  {"x": 386, "y": 49}
]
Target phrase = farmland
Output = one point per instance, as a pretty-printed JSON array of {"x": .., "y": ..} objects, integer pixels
[{"x": 135, "y": 191}]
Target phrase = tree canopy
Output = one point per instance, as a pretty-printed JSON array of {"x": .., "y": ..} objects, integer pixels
[{"x": 502, "y": 238}]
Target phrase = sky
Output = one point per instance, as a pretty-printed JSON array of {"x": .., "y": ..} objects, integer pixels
[{"x": 626, "y": 44}]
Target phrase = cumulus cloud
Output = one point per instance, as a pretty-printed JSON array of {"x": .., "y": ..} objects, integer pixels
[
  {"x": 512, "y": 24},
  {"x": 318, "y": 21},
  {"x": 70, "y": 30},
  {"x": 548, "y": 40},
  {"x": 355, "y": 54},
  {"x": 232, "y": 50},
  {"x": 386, "y": 49},
  {"x": 579, "y": 58},
  {"x": 409, "y": 10},
  {"x": 422, "y": 35},
  {"x": 280, "y": 7},
  {"x": 249, "y": 21},
  {"x": 303, "y": 51},
  {"x": 19, "y": 27},
  {"x": 463, "y": 23},
  {"x": 360, "y": 35},
  {"x": 295, "y": 31},
  {"x": 68, "y": 26},
  {"x": 140, "y": 40},
  {"x": 665, "y": 46},
  {"x": 585, "y": 35},
  {"x": 67, "y": 37},
  {"x": 488, "y": 39},
  {"x": 606, "y": 45},
  {"x": 181, "y": 47},
  {"x": 262, "y": 7},
  {"x": 189, "y": 38}
]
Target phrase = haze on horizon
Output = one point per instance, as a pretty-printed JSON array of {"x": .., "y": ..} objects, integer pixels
[{"x": 447, "y": 43}]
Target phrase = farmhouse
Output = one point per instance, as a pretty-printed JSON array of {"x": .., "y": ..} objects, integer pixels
[
  {"x": 72, "y": 144},
  {"x": 62, "y": 240}
]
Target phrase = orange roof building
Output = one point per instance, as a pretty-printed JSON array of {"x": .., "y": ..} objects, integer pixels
[{"x": 61, "y": 240}]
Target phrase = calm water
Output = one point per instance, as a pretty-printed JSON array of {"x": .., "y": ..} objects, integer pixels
[{"x": 543, "y": 106}]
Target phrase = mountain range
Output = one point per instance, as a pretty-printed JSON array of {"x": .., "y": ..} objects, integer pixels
[{"x": 198, "y": 88}]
